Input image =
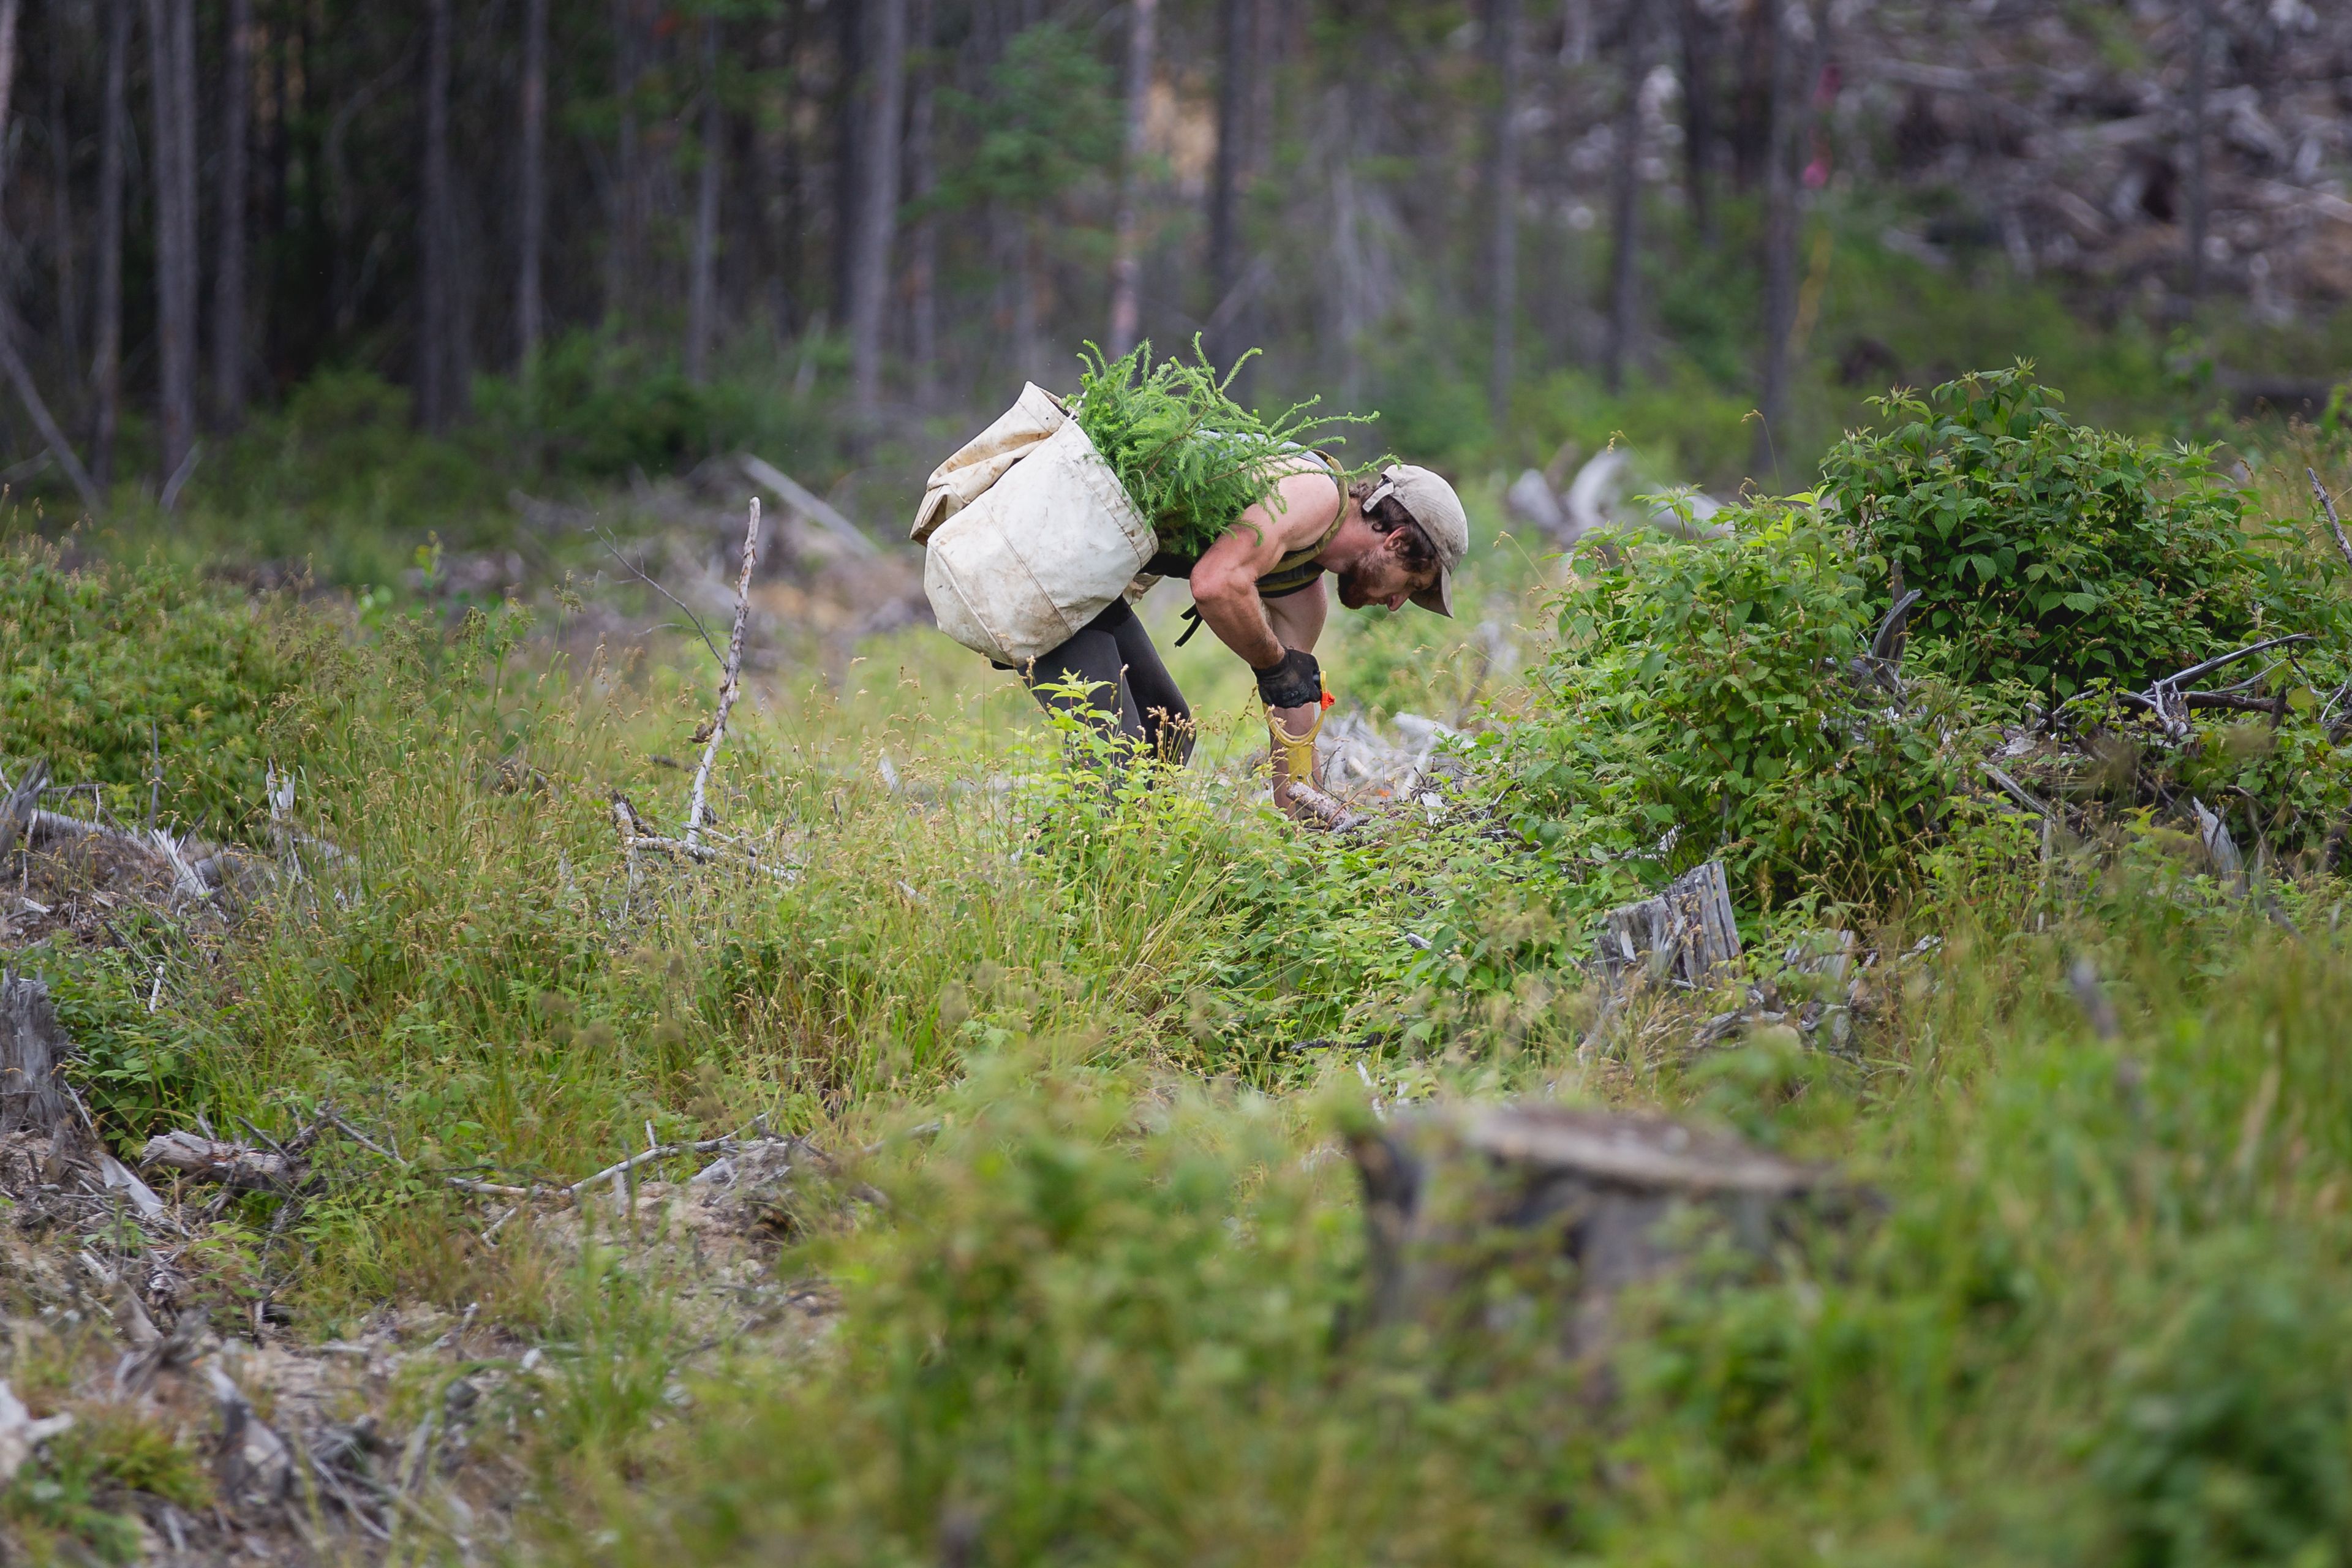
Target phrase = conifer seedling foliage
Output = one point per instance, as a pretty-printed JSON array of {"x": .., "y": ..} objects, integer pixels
[{"x": 1189, "y": 457}]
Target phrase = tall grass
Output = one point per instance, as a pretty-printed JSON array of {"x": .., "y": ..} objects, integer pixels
[
  {"x": 2097, "y": 1318},
  {"x": 1109, "y": 1307}
]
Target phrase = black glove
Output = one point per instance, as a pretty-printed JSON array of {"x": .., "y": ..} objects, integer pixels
[{"x": 1296, "y": 682}]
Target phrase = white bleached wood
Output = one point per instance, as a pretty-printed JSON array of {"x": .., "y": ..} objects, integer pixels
[{"x": 729, "y": 682}]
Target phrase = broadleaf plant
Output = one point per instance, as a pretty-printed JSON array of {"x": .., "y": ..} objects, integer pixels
[
  {"x": 1705, "y": 701},
  {"x": 2047, "y": 552}
]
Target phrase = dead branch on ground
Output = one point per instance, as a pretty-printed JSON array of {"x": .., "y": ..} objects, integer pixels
[{"x": 729, "y": 682}]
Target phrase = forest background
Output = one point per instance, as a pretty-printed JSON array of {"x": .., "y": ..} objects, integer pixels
[{"x": 250, "y": 245}]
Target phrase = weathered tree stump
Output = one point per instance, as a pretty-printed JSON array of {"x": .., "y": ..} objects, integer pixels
[
  {"x": 1682, "y": 935},
  {"x": 18, "y": 804},
  {"x": 32, "y": 1044},
  {"x": 1578, "y": 1202}
]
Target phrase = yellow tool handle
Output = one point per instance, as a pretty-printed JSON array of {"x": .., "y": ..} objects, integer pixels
[{"x": 1297, "y": 750}]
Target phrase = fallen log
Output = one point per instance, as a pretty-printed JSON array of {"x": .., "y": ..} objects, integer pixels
[
  {"x": 1322, "y": 809},
  {"x": 238, "y": 1166}
]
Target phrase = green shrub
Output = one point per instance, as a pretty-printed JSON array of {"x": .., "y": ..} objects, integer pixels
[
  {"x": 1097, "y": 1328},
  {"x": 2047, "y": 552},
  {"x": 1704, "y": 701},
  {"x": 343, "y": 451},
  {"x": 590, "y": 408},
  {"x": 98, "y": 661},
  {"x": 2229, "y": 1440},
  {"x": 84, "y": 1490}
]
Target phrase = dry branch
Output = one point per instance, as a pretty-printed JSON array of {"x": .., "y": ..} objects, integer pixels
[
  {"x": 2015, "y": 791},
  {"x": 2334, "y": 524},
  {"x": 634, "y": 838},
  {"x": 730, "y": 682},
  {"x": 571, "y": 1191},
  {"x": 236, "y": 1165},
  {"x": 807, "y": 504},
  {"x": 1322, "y": 809},
  {"x": 2167, "y": 700}
]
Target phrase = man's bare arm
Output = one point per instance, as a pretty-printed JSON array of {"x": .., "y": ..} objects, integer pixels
[{"x": 1224, "y": 584}]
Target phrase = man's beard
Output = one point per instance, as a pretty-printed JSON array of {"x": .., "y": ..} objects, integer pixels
[{"x": 1351, "y": 590}]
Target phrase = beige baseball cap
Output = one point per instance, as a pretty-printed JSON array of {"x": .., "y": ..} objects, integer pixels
[{"x": 1430, "y": 501}]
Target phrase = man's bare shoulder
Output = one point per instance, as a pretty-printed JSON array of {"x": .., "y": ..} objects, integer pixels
[{"x": 1304, "y": 502}]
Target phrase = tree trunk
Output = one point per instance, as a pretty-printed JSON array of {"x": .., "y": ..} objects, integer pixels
[
  {"x": 1698, "y": 117},
  {"x": 1625, "y": 203},
  {"x": 782, "y": 221},
  {"x": 184, "y": 167},
  {"x": 701, "y": 298},
  {"x": 435, "y": 367},
  {"x": 1226, "y": 180},
  {"x": 106, "y": 362},
  {"x": 877, "y": 206},
  {"x": 531, "y": 221},
  {"x": 621, "y": 243},
  {"x": 1474, "y": 1214},
  {"x": 1576, "y": 32},
  {"x": 282, "y": 218},
  {"x": 1779, "y": 242},
  {"x": 228, "y": 281},
  {"x": 2201, "y": 21},
  {"x": 33, "y": 1096},
  {"x": 12, "y": 363},
  {"x": 1126, "y": 259},
  {"x": 1751, "y": 105},
  {"x": 922, "y": 181},
  {"x": 9, "y": 11},
  {"x": 62, "y": 249},
  {"x": 848, "y": 149},
  {"x": 1504, "y": 23},
  {"x": 171, "y": 25}
]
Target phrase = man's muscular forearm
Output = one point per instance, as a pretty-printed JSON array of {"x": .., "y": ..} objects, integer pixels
[{"x": 1228, "y": 601}]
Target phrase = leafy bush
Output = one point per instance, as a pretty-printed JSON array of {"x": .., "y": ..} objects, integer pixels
[
  {"x": 2047, "y": 552},
  {"x": 85, "y": 1491},
  {"x": 1704, "y": 701},
  {"x": 590, "y": 408},
  {"x": 343, "y": 449},
  {"x": 136, "y": 1068},
  {"x": 2228, "y": 1439},
  {"x": 90, "y": 658},
  {"x": 1097, "y": 1328}
]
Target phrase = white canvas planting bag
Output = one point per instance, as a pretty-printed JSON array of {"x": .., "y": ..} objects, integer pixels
[{"x": 1020, "y": 558}]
